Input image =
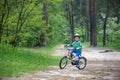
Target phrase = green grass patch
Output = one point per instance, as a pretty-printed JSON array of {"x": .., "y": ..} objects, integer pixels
[{"x": 16, "y": 61}]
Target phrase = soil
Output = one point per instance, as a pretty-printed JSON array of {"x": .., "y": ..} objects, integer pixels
[{"x": 102, "y": 64}]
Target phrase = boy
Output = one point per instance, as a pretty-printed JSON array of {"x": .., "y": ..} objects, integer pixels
[{"x": 77, "y": 48}]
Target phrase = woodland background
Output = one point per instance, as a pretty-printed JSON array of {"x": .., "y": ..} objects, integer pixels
[{"x": 29, "y": 23}]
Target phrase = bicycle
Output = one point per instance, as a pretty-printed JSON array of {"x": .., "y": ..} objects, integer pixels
[{"x": 64, "y": 60}]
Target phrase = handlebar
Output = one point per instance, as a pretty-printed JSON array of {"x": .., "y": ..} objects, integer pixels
[{"x": 68, "y": 47}]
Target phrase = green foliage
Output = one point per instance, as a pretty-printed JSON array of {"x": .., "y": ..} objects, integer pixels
[
  {"x": 29, "y": 14},
  {"x": 24, "y": 19},
  {"x": 15, "y": 61},
  {"x": 59, "y": 27},
  {"x": 113, "y": 33}
]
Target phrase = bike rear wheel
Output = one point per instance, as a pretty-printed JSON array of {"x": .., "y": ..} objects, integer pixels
[
  {"x": 63, "y": 62},
  {"x": 82, "y": 62}
]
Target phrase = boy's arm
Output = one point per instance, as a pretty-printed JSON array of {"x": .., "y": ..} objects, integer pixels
[
  {"x": 80, "y": 47},
  {"x": 68, "y": 45},
  {"x": 72, "y": 44}
]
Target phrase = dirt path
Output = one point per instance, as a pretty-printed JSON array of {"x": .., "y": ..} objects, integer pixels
[{"x": 103, "y": 64}]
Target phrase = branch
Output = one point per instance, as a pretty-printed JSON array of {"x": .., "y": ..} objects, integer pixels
[
  {"x": 8, "y": 10},
  {"x": 26, "y": 17}
]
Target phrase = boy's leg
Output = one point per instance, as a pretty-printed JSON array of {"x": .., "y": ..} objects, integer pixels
[
  {"x": 73, "y": 51},
  {"x": 77, "y": 58}
]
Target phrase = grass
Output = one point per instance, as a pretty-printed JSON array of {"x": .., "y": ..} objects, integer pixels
[{"x": 16, "y": 61}]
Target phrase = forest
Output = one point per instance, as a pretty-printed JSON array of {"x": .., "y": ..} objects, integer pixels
[
  {"x": 30, "y": 23},
  {"x": 30, "y": 30}
]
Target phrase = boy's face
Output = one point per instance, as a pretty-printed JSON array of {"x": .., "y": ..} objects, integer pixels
[{"x": 77, "y": 38}]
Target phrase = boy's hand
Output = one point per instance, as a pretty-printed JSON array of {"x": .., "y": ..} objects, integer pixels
[{"x": 77, "y": 48}]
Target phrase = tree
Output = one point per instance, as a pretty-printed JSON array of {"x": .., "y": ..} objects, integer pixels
[
  {"x": 105, "y": 22},
  {"x": 70, "y": 18},
  {"x": 45, "y": 19},
  {"x": 115, "y": 9},
  {"x": 3, "y": 17},
  {"x": 24, "y": 13},
  {"x": 92, "y": 14}
]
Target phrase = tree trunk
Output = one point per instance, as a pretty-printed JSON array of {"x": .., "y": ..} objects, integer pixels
[
  {"x": 45, "y": 18},
  {"x": 15, "y": 41},
  {"x": 71, "y": 19},
  {"x": 94, "y": 24},
  {"x": 92, "y": 14},
  {"x": 2, "y": 19},
  {"x": 105, "y": 22},
  {"x": 87, "y": 30},
  {"x": 45, "y": 13},
  {"x": 87, "y": 22}
]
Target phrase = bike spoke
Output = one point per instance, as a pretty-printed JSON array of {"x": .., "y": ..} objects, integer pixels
[
  {"x": 82, "y": 63},
  {"x": 63, "y": 63}
]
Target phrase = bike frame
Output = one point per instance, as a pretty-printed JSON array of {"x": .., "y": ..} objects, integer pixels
[{"x": 67, "y": 53}]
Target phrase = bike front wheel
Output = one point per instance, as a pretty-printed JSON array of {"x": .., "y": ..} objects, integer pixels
[
  {"x": 63, "y": 62},
  {"x": 82, "y": 62}
]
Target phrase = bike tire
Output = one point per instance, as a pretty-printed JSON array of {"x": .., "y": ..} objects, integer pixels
[
  {"x": 63, "y": 62},
  {"x": 82, "y": 63}
]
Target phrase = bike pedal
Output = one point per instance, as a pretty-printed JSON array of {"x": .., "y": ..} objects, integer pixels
[{"x": 70, "y": 58}]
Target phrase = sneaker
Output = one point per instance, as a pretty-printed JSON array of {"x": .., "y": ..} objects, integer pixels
[
  {"x": 77, "y": 66},
  {"x": 70, "y": 58}
]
